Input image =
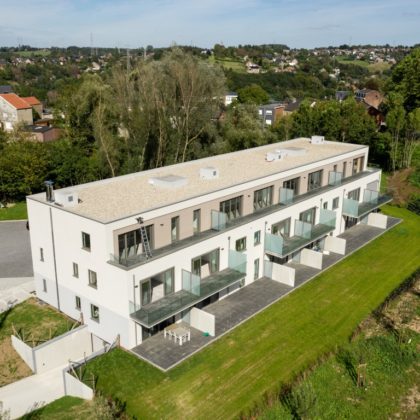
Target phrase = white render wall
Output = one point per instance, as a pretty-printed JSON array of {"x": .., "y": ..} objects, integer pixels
[{"x": 115, "y": 285}]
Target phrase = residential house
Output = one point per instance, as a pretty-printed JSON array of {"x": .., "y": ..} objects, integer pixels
[
  {"x": 35, "y": 104},
  {"x": 43, "y": 133},
  {"x": 270, "y": 113},
  {"x": 229, "y": 98},
  {"x": 13, "y": 111},
  {"x": 133, "y": 254}
]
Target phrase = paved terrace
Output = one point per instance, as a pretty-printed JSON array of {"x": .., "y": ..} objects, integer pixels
[{"x": 248, "y": 301}]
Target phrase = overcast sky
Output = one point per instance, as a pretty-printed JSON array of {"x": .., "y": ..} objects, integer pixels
[{"x": 135, "y": 23}]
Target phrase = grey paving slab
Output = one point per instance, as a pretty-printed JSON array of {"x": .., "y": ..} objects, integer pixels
[
  {"x": 248, "y": 301},
  {"x": 15, "y": 251}
]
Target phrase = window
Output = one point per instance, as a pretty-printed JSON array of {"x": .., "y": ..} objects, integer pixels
[
  {"x": 256, "y": 268},
  {"x": 263, "y": 198},
  {"x": 93, "y": 280},
  {"x": 325, "y": 205},
  {"x": 308, "y": 216},
  {"x": 292, "y": 184},
  {"x": 335, "y": 168},
  {"x": 206, "y": 264},
  {"x": 75, "y": 270},
  {"x": 129, "y": 243},
  {"x": 315, "y": 180},
  {"x": 86, "y": 241},
  {"x": 282, "y": 228},
  {"x": 358, "y": 164},
  {"x": 241, "y": 244},
  {"x": 44, "y": 285},
  {"x": 257, "y": 237},
  {"x": 175, "y": 228},
  {"x": 196, "y": 221},
  {"x": 344, "y": 169},
  {"x": 94, "y": 312},
  {"x": 232, "y": 208},
  {"x": 335, "y": 203},
  {"x": 354, "y": 195},
  {"x": 41, "y": 254},
  {"x": 78, "y": 303}
]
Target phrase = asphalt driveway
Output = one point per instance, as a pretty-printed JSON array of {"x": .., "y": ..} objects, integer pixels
[{"x": 15, "y": 251}]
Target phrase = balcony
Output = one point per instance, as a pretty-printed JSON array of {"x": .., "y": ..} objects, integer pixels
[
  {"x": 371, "y": 201},
  {"x": 194, "y": 290},
  {"x": 219, "y": 222},
  {"x": 304, "y": 234}
]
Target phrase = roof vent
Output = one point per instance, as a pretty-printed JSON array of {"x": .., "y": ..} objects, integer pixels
[
  {"x": 209, "y": 172},
  {"x": 66, "y": 198},
  {"x": 276, "y": 155},
  {"x": 317, "y": 139},
  {"x": 169, "y": 181}
]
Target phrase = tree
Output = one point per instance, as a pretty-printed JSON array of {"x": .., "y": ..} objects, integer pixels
[
  {"x": 253, "y": 94},
  {"x": 411, "y": 138},
  {"x": 395, "y": 121}
]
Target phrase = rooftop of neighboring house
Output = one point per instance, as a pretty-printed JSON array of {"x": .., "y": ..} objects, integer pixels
[
  {"x": 125, "y": 196},
  {"x": 38, "y": 128},
  {"x": 31, "y": 100},
  {"x": 273, "y": 105},
  {"x": 16, "y": 101}
]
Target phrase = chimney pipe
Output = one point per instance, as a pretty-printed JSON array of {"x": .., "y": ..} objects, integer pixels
[{"x": 49, "y": 191}]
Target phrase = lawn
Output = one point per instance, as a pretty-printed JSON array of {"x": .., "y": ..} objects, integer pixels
[
  {"x": 372, "y": 67},
  {"x": 37, "y": 323},
  {"x": 16, "y": 211},
  {"x": 234, "y": 65},
  {"x": 232, "y": 374}
]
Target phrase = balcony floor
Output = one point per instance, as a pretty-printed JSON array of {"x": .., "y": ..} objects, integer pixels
[{"x": 248, "y": 301}]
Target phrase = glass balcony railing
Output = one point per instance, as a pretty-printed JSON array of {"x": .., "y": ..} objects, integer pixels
[
  {"x": 304, "y": 234},
  {"x": 194, "y": 291},
  {"x": 353, "y": 208},
  {"x": 219, "y": 222}
]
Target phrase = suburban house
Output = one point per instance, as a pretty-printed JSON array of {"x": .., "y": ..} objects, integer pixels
[
  {"x": 13, "y": 111},
  {"x": 229, "y": 98},
  {"x": 35, "y": 104},
  {"x": 43, "y": 133},
  {"x": 371, "y": 99},
  {"x": 272, "y": 112},
  {"x": 134, "y": 254}
]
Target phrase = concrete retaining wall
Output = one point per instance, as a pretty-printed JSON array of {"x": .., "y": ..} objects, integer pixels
[
  {"x": 203, "y": 321},
  {"x": 73, "y": 345},
  {"x": 334, "y": 244},
  {"x": 377, "y": 220},
  {"x": 311, "y": 258},
  {"x": 24, "y": 351},
  {"x": 75, "y": 388},
  {"x": 283, "y": 274}
]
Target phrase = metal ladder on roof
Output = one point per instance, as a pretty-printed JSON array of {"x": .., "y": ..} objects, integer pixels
[{"x": 145, "y": 241}]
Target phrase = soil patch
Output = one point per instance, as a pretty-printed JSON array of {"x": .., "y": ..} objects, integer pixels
[{"x": 400, "y": 187}]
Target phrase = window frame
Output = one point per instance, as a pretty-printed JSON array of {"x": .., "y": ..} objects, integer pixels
[
  {"x": 312, "y": 185},
  {"x": 94, "y": 316},
  {"x": 263, "y": 198},
  {"x": 257, "y": 237},
  {"x": 44, "y": 286},
  {"x": 242, "y": 243},
  {"x": 78, "y": 303},
  {"x": 75, "y": 270},
  {"x": 176, "y": 226},
  {"x": 232, "y": 207},
  {"x": 197, "y": 220},
  {"x": 336, "y": 203},
  {"x": 86, "y": 243},
  {"x": 92, "y": 274}
]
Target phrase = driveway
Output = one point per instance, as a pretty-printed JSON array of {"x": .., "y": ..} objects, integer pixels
[{"x": 15, "y": 251}]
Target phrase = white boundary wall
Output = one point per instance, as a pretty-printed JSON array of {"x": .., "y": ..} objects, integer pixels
[
  {"x": 75, "y": 345},
  {"x": 311, "y": 258},
  {"x": 24, "y": 351},
  {"x": 76, "y": 388},
  {"x": 283, "y": 274},
  {"x": 377, "y": 220},
  {"x": 335, "y": 244},
  {"x": 203, "y": 321}
]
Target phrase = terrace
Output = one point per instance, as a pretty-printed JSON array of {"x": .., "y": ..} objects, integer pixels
[
  {"x": 220, "y": 224},
  {"x": 248, "y": 301}
]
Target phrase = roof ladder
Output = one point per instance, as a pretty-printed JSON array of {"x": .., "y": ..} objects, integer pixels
[{"x": 144, "y": 239}]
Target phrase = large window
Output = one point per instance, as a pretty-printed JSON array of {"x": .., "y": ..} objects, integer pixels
[
  {"x": 315, "y": 180},
  {"x": 206, "y": 264},
  {"x": 196, "y": 221},
  {"x": 292, "y": 184},
  {"x": 129, "y": 243},
  {"x": 335, "y": 203},
  {"x": 354, "y": 195},
  {"x": 282, "y": 228},
  {"x": 358, "y": 164},
  {"x": 308, "y": 216},
  {"x": 157, "y": 286},
  {"x": 86, "y": 241},
  {"x": 175, "y": 228},
  {"x": 257, "y": 237},
  {"x": 263, "y": 198},
  {"x": 93, "y": 279},
  {"x": 232, "y": 208}
]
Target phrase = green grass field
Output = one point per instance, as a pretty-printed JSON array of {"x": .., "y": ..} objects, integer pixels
[
  {"x": 237, "y": 66},
  {"x": 372, "y": 67},
  {"x": 16, "y": 212},
  {"x": 233, "y": 374},
  {"x": 29, "y": 54}
]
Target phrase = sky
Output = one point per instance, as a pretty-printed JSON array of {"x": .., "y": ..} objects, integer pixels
[{"x": 161, "y": 23}]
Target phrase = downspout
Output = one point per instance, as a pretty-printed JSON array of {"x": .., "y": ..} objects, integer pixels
[{"x": 55, "y": 263}]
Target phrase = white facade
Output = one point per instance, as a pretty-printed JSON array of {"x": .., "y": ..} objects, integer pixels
[{"x": 58, "y": 231}]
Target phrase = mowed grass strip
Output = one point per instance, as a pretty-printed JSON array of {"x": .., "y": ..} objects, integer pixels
[
  {"x": 17, "y": 211},
  {"x": 232, "y": 374}
]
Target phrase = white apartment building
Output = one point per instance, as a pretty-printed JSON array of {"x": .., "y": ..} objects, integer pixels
[{"x": 135, "y": 253}]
